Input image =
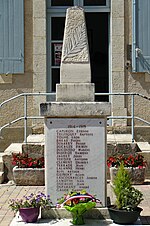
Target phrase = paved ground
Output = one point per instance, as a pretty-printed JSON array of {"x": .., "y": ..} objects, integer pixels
[{"x": 8, "y": 191}]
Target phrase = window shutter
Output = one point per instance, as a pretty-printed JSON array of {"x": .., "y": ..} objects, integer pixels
[
  {"x": 141, "y": 34},
  {"x": 12, "y": 36}
]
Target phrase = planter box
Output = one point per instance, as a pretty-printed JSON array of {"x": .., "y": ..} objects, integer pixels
[
  {"x": 137, "y": 174},
  {"x": 29, "y": 176}
]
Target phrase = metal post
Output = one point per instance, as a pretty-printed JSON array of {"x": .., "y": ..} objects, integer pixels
[
  {"x": 132, "y": 117},
  {"x": 25, "y": 118}
]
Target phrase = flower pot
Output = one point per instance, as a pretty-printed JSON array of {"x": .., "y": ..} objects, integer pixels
[
  {"x": 28, "y": 176},
  {"x": 137, "y": 174},
  {"x": 123, "y": 216},
  {"x": 29, "y": 215}
]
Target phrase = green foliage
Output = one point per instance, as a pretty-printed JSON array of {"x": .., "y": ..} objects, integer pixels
[
  {"x": 81, "y": 208},
  {"x": 127, "y": 197}
]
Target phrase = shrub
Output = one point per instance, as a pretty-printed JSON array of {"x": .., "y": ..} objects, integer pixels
[{"x": 127, "y": 197}]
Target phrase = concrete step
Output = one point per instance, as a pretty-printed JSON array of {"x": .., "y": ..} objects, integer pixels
[
  {"x": 13, "y": 148},
  {"x": 1, "y": 169},
  {"x": 145, "y": 151},
  {"x": 119, "y": 138},
  {"x": 7, "y": 157},
  {"x": 144, "y": 146},
  {"x": 115, "y": 138},
  {"x": 1, "y": 162},
  {"x": 36, "y": 138},
  {"x": 36, "y": 143},
  {"x": 1, "y": 177}
]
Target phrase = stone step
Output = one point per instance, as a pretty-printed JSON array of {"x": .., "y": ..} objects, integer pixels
[
  {"x": 36, "y": 138},
  {"x": 144, "y": 146},
  {"x": 36, "y": 142},
  {"x": 1, "y": 177},
  {"x": 1, "y": 163},
  {"x": 7, "y": 157},
  {"x": 1, "y": 169},
  {"x": 119, "y": 138},
  {"x": 115, "y": 138},
  {"x": 35, "y": 145},
  {"x": 13, "y": 148}
]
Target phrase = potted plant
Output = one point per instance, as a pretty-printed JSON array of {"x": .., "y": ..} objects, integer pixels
[
  {"x": 29, "y": 206},
  {"x": 78, "y": 203},
  {"x": 134, "y": 164},
  {"x": 125, "y": 210},
  {"x": 27, "y": 170}
]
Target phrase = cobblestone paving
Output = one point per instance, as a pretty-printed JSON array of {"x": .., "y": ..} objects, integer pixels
[{"x": 8, "y": 191}]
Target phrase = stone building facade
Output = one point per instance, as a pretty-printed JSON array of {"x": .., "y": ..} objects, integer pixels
[{"x": 112, "y": 22}]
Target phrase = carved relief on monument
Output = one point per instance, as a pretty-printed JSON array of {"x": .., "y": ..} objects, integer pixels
[{"x": 75, "y": 48}]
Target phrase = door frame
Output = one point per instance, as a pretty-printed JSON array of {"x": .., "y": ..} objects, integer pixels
[{"x": 60, "y": 11}]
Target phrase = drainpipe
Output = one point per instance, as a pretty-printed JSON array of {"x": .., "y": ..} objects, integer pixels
[{"x": 134, "y": 35}]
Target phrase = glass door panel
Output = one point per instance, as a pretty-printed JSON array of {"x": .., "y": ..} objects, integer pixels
[
  {"x": 57, "y": 32},
  {"x": 57, "y": 28},
  {"x": 97, "y": 29},
  {"x": 94, "y": 2},
  {"x": 61, "y": 2}
]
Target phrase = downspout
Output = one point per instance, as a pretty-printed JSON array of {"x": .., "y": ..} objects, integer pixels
[{"x": 134, "y": 35}]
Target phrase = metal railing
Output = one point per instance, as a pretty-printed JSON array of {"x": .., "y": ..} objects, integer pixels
[{"x": 26, "y": 117}]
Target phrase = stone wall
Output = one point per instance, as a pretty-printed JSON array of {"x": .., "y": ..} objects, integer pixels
[
  {"x": 39, "y": 53},
  {"x": 117, "y": 37},
  {"x": 15, "y": 84}
]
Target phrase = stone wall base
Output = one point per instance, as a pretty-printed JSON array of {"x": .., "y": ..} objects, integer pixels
[{"x": 55, "y": 213}]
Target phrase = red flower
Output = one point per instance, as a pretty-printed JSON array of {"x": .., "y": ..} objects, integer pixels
[
  {"x": 136, "y": 160},
  {"x": 24, "y": 161}
]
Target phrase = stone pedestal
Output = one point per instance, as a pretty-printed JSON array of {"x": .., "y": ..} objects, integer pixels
[{"x": 75, "y": 148}]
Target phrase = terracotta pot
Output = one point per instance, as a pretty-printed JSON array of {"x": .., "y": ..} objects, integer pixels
[
  {"x": 137, "y": 174},
  {"x": 29, "y": 215},
  {"x": 124, "y": 216}
]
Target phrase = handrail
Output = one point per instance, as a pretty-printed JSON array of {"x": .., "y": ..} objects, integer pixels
[{"x": 26, "y": 117}]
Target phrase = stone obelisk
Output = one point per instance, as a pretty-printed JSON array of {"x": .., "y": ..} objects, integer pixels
[{"x": 75, "y": 71}]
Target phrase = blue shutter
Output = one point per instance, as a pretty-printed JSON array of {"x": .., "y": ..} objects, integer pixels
[
  {"x": 12, "y": 36},
  {"x": 141, "y": 36}
]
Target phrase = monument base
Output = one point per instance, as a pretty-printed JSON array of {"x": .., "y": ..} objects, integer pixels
[
  {"x": 75, "y": 148},
  {"x": 61, "y": 213}
]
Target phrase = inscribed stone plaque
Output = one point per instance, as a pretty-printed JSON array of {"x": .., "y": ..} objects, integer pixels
[{"x": 75, "y": 156}]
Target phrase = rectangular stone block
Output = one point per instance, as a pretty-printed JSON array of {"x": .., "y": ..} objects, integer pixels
[
  {"x": 75, "y": 109},
  {"x": 118, "y": 27},
  {"x": 39, "y": 27},
  {"x": 72, "y": 73},
  {"x": 75, "y": 92}
]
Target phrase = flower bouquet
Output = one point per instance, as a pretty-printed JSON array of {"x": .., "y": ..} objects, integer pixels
[
  {"x": 29, "y": 206},
  {"x": 77, "y": 203}
]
